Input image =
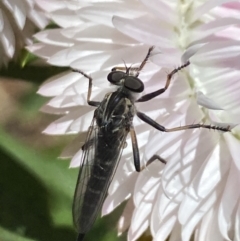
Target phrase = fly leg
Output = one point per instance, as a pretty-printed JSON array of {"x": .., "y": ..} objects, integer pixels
[
  {"x": 159, "y": 127},
  {"x": 137, "y": 69},
  {"x": 135, "y": 149},
  {"x": 89, "y": 101},
  {"x": 154, "y": 94},
  {"x": 136, "y": 153},
  {"x": 153, "y": 158}
]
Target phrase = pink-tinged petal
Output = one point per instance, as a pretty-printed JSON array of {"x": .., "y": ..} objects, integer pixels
[
  {"x": 103, "y": 34},
  {"x": 125, "y": 219},
  {"x": 101, "y": 13},
  {"x": 211, "y": 28},
  {"x": 162, "y": 11},
  {"x": 229, "y": 202},
  {"x": 57, "y": 84},
  {"x": 205, "y": 101},
  {"x": 143, "y": 31},
  {"x": 233, "y": 144},
  {"x": 205, "y": 7},
  {"x": 166, "y": 58},
  {"x": 218, "y": 54},
  {"x": 111, "y": 58}
]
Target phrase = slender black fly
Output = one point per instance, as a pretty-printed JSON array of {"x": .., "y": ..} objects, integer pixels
[{"x": 112, "y": 121}]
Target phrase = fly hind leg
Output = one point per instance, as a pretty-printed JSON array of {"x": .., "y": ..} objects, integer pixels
[
  {"x": 136, "y": 156},
  {"x": 89, "y": 101}
]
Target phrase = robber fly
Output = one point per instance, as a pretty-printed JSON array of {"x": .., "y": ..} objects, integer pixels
[{"x": 112, "y": 121}]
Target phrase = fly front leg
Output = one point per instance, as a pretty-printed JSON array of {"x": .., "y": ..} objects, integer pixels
[
  {"x": 137, "y": 69},
  {"x": 89, "y": 101},
  {"x": 159, "y": 127},
  {"x": 156, "y": 93}
]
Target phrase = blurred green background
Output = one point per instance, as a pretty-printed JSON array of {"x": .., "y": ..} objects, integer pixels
[{"x": 36, "y": 188}]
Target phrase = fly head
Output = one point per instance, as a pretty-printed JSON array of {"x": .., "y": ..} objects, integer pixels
[{"x": 130, "y": 82}]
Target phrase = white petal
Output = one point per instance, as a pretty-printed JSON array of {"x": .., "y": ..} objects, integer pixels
[
  {"x": 125, "y": 219},
  {"x": 214, "y": 168},
  {"x": 190, "y": 51},
  {"x": 18, "y": 10},
  {"x": 82, "y": 123},
  {"x": 50, "y": 6},
  {"x": 43, "y": 50},
  {"x": 233, "y": 144},
  {"x": 205, "y": 101},
  {"x": 202, "y": 207},
  {"x": 7, "y": 36},
  {"x": 53, "y": 37},
  {"x": 57, "y": 84},
  {"x": 115, "y": 199},
  {"x": 76, "y": 160},
  {"x": 73, "y": 147},
  {"x": 38, "y": 18},
  {"x": 66, "y": 18},
  {"x": 237, "y": 225},
  {"x": 229, "y": 202},
  {"x": 203, "y": 230}
]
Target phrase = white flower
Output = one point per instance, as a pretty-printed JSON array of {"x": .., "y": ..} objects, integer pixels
[
  {"x": 196, "y": 192},
  {"x": 18, "y": 21}
]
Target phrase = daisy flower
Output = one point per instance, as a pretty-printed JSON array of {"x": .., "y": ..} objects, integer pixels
[
  {"x": 196, "y": 192},
  {"x": 18, "y": 21}
]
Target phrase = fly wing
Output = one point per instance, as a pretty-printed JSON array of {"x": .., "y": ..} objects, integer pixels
[
  {"x": 84, "y": 175},
  {"x": 100, "y": 159}
]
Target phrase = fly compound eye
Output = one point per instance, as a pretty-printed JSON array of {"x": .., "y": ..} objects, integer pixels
[
  {"x": 134, "y": 84},
  {"x": 115, "y": 77}
]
